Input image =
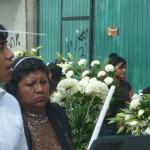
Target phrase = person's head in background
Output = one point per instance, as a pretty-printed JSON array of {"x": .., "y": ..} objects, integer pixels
[
  {"x": 146, "y": 90},
  {"x": 6, "y": 56},
  {"x": 55, "y": 73},
  {"x": 120, "y": 65},
  {"x": 30, "y": 83}
]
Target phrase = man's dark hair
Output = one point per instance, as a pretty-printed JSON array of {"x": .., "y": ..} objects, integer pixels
[{"x": 3, "y": 33}]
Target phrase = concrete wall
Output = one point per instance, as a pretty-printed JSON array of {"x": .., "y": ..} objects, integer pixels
[
  {"x": 20, "y": 18},
  {"x": 13, "y": 17}
]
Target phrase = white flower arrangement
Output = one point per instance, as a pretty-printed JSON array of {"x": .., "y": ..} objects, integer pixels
[
  {"x": 31, "y": 52},
  {"x": 135, "y": 119},
  {"x": 82, "y": 92}
]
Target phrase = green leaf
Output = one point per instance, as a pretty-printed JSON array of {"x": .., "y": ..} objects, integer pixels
[
  {"x": 121, "y": 129},
  {"x": 138, "y": 132},
  {"x": 71, "y": 57},
  {"x": 111, "y": 122},
  {"x": 128, "y": 130}
]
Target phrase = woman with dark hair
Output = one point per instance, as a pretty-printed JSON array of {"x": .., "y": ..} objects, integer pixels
[
  {"x": 46, "y": 125},
  {"x": 123, "y": 94}
]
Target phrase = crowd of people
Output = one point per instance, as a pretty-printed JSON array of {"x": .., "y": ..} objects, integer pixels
[{"x": 28, "y": 120}]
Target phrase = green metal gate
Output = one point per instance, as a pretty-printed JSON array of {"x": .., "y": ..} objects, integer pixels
[{"x": 80, "y": 27}]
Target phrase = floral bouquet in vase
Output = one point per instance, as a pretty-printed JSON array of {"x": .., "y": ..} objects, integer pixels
[
  {"x": 82, "y": 92},
  {"x": 135, "y": 119}
]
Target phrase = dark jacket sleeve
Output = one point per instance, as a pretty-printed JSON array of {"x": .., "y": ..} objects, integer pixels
[{"x": 60, "y": 123}]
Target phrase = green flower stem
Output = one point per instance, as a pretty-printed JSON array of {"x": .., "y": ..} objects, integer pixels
[{"x": 90, "y": 106}]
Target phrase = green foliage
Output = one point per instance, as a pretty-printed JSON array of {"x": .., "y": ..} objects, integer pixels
[{"x": 134, "y": 119}]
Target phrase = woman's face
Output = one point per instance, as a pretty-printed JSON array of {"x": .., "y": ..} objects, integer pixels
[
  {"x": 120, "y": 70},
  {"x": 33, "y": 91}
]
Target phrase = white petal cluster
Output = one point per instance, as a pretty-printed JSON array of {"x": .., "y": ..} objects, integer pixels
[
  {"x": 97, "y": 88},
  {"x": 56, "y": 97},
  {"x": 134, "y": 103},
  {"x": 82, "y": 62},
  {"x": 101, "y": 73},
  {"x": 109, "y": 68},
  {"x": 147, "y": 131},
  {"x": 83, "y": 84},
  {"x": 140, "y": 112},
  {"x": 68, "y": 86},
  {"x": 95, "y": 62},
  {"x": 69, "y": 74},
  {"x": 108, "y": 80},
  {"x": 85, "y": 73},
  {"x": 33, "y": 50}
]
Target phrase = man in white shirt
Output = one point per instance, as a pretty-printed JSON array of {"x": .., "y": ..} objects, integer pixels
[{"x": 12, "y": 135}]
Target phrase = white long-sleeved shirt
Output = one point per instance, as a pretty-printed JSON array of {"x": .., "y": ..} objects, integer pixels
[{"x": 12, "y": 135}]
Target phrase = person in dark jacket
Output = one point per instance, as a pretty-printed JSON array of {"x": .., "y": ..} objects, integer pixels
[
  {"x": 122, "y": 94},
  {"x": 45, "y": 123}
]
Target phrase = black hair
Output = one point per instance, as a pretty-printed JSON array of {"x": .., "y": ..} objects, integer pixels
[
  {"x": 113, "y": 55},
  {"x": 114, "y": 59},
  {"x": 24, "y": 68},
  {"x": 56, "y": 73},
  {"x": 146, "y": 90},
  {"x": 3, "y": 33}
]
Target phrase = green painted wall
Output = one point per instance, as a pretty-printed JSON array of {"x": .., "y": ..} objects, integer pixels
[
  {"x": 49, "y": 23},
  {"x": 67, "y": 24},
  {"x": 133, "y": 43}
]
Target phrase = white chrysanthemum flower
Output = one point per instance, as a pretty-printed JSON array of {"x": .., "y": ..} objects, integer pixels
[
  {"x": 92, "y": 80},
  {"x": 108, "y": 80},
  {"x": 101, "y": 73},
  {"x": 56, "y": 97},
  {"x": 97, "y": 88},
  {"x": 69, "y": 74},
  {"x": 68, "y": 86},
  {"x": 95, "y": 62},
  {"x": 85, "y": 79},
  {"x": 33, "y": 50},
  {"x": 109, "y": 68},
  {"x": 82, "y": 62},
  {"x": 85, "y": 73},
  {"x": 134, "y": 103},
  {"x": 16, "y": 54},
  {"x": 147, "y": 131},
  {"x": 140, "y": 112},
  {"x": 83, "y": 84}
]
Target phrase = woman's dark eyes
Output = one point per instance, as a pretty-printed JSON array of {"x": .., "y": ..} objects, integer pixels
[{"x": 32, "y": 84}]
